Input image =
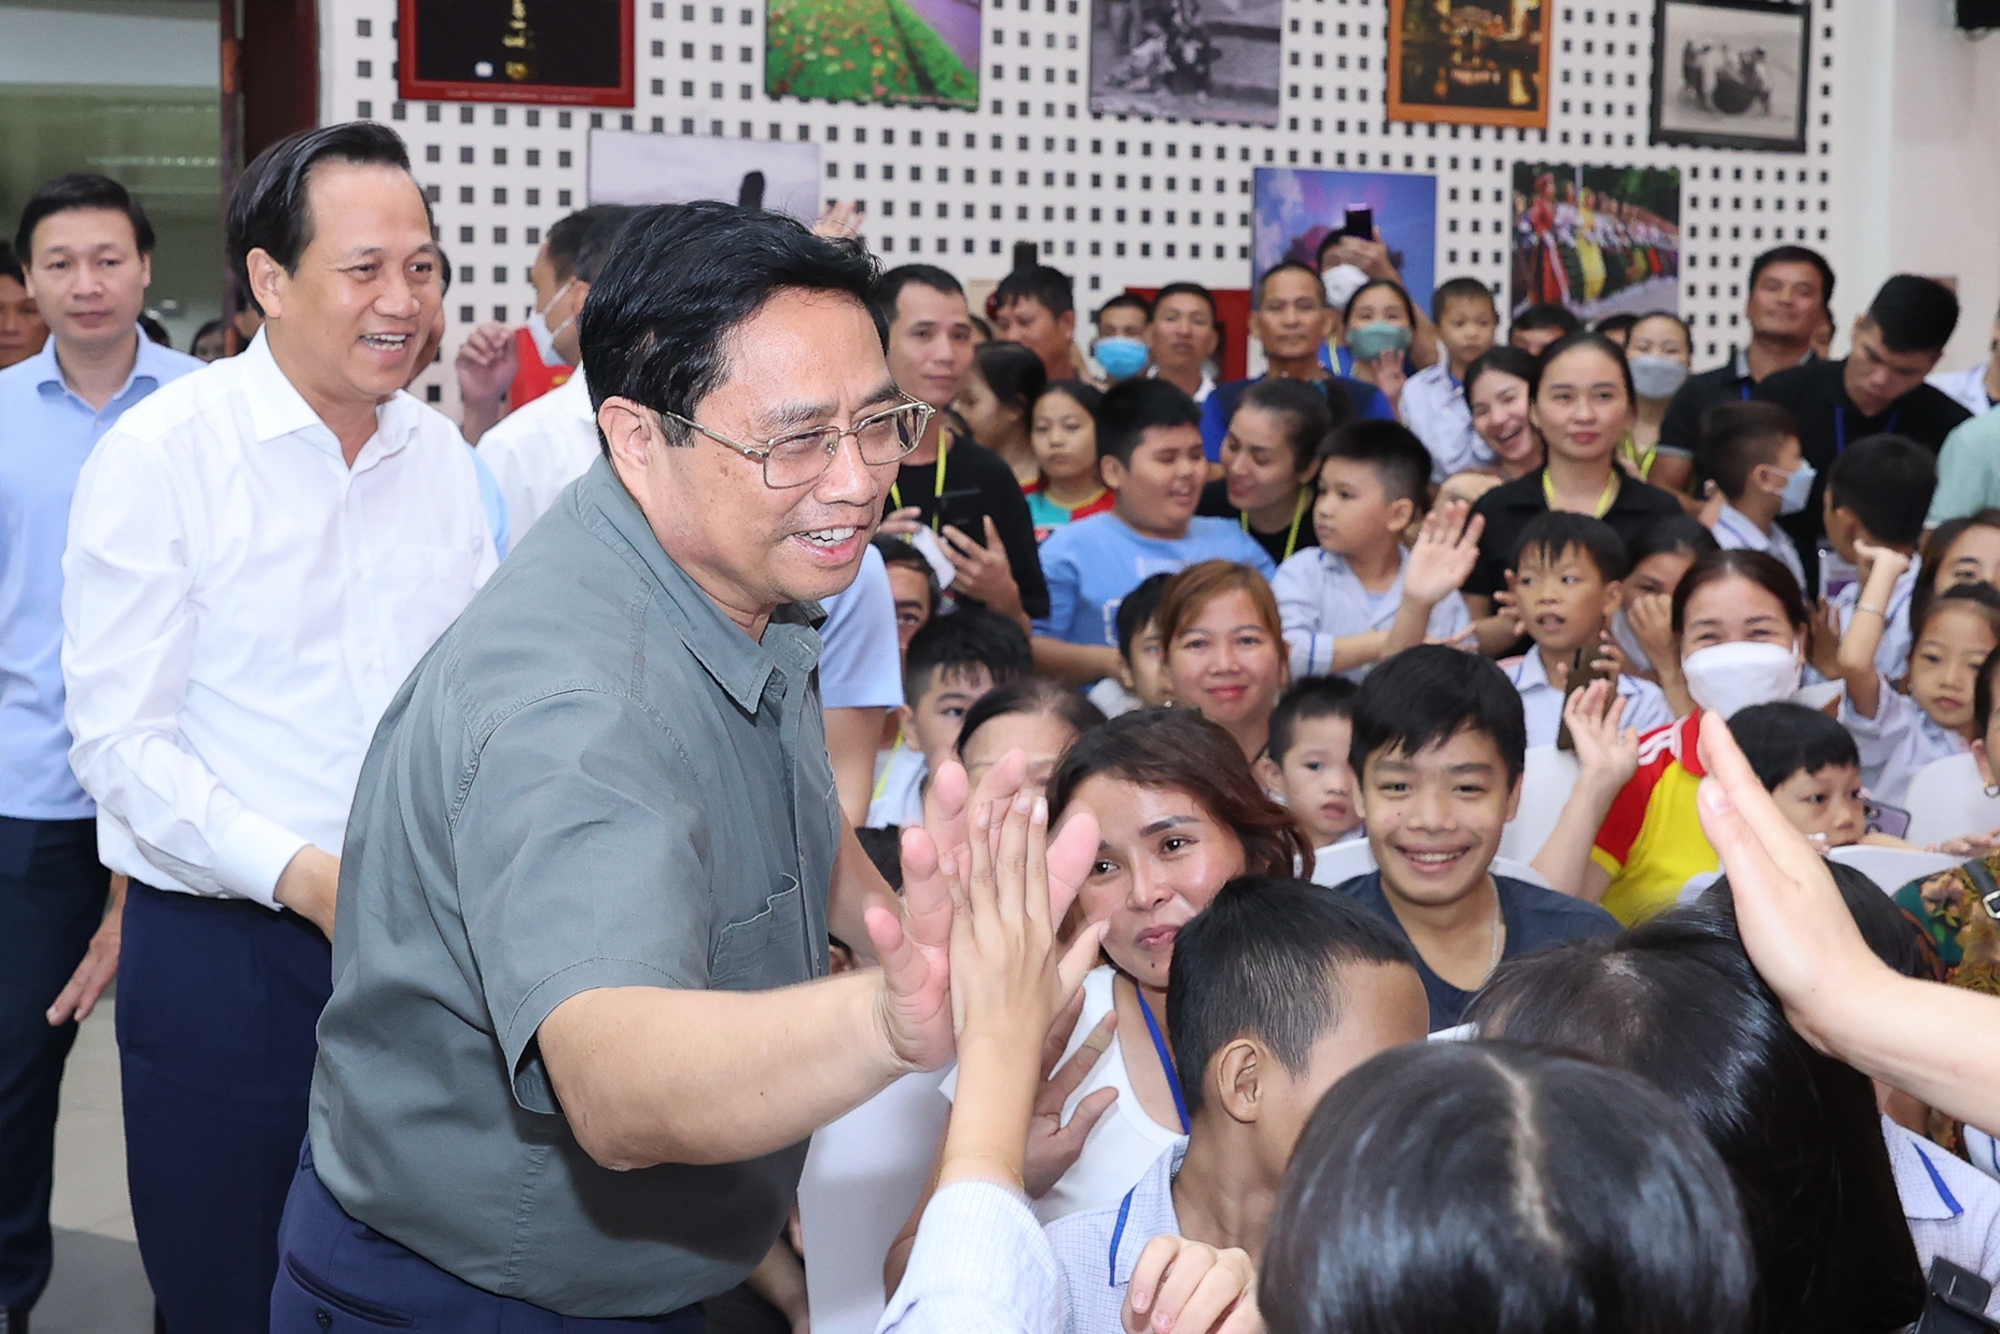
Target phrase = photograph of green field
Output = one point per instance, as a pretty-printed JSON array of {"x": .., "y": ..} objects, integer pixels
[{"x": 924, "y": 52}]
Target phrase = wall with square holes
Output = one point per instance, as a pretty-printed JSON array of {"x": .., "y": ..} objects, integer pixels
[{"x": 1112, "y": 200}]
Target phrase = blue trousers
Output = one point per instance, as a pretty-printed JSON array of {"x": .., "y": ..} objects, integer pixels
[
  {"x": 217, "y": 1001},
  {"x": 338, "y": 1275},
  {"x": 51, "y": 900}
]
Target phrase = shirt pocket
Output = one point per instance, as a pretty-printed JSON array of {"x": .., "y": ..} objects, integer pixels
[{"x": 766, "y": 949}]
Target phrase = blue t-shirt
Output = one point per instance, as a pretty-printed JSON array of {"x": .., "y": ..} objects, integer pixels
[
  {"x": 1369, "y": 403},
  {"x": 1093, "y": 563},
  {"x": 1536, "y": 918}
]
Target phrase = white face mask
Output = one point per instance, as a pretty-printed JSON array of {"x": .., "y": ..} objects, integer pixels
[
  {"x": 545, "y": 337},
  {"x": 1726, "y": 677},
  {"x": 1341, "y": 282}
]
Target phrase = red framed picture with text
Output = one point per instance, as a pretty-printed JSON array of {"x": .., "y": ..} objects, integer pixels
[{"x": 560, "y": 52}]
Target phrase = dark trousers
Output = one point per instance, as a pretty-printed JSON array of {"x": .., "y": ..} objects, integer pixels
[
  {"x": 336, "y": 1274},
  {"x": 51, "y": 900},
  {"x": 217, "y": 999}
]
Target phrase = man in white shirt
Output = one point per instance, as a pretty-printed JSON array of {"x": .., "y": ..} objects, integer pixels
[
  {"x": 544, "y": 446},
  {"x": 1977, "y": 387},
  {"x": 258, "y": 555}
]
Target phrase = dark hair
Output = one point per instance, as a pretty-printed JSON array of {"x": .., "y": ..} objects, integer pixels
[
  {"x": 607, "y": 223},
  {"x": 1670, "y": 536},
  {"x": 1462, "y": 289},
  {"x": 1895, "y": 936},
  {"x": 1292, "y": 266},
  {"x": 1036, "y": 282},
  {"x": 1736, "y": 438},
  {"x": 1621, "y": 323},
  {"x": 1131, "y": 299},
  {"x": 1424, "y": 696},
  {"x": 1783, "y": 739},
  {"x": 1258, "y": 962},
  {"x": 1302, "y": 409},
  {"x": 959, "y": 640},
  {"x": 1305, "y": 699},
  {"x": 898, "y": 551},
  {"x": 1676, "y": 1001},
  {"x": 1409, "y": 306},
  {"x": 1936, "y": 548},
  {"x": 1570, "y": 342},
  {"x": 884, "y": 847},
  {"x": 1914, "y": 314},
  {"x": 1756, "y": 566},
  {"x": 1397, "y": 455},
  {"x": 1180, "y": 749},
  {"x": 1687, "y": 331},
  {"x": 1887, "y": 482},
  {"x": 1545, "y": 315},
  {"x": 1553, "y": 532},
  {"x": 1014, "y": 372},
  {"x": 565, "y": 236},
  {"x": 155, "y": 331},
  {"x": 10, "y": 265},
  {"x": 1795, "y": 254},
  {"x": 208, "y": 327},
  {"x": 1189, "y": 289},
  {"x": 1080, "y": 392},
  {"x": 657, "y": 323},
  {"x": 889, "y": 287},
  {"x": 1035, "y": 696},
  {"x": 1133, "y": 407},
  {"x": 1981, "y": 599},
  {"x": 1982, "y": 691},
  {"x": 271, "y": 207},
  {"x": 1140, "y": 608},
  {"x": 1503, "y": 359},
  {"x": 80, "y": 190},
  {"x": 1495, "y": 1187}
]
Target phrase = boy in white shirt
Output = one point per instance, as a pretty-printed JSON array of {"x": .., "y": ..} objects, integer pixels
[
  {"x": 1433, "y": 400},
  {"x": 1752, "y": 451},
  {"x": 1340, "y": 602},
  {"x": 1877, "y": 494},
  {"x": 1141, "y": 679}
]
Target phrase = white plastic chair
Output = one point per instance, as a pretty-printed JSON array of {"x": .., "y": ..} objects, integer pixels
[
  {"x": 1340, "y": 862},
  {"x": 1892, "y": 868},
  {"x": 1947, "y": 799},
  {"x": 1546, "y": 780}
]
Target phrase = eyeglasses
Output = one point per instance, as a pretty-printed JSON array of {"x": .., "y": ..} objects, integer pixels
[{"x": 801, "y": 458}]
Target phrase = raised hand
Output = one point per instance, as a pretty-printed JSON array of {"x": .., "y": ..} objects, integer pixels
[
  {"x": 1651, "y": 617},
  {"x": 840, "y": 220},
  {"x": 1189, "y": 1287},
  {"x": 1823, "y": 640},
  {"x": 983, "y": 571},
  {"x": 1052, "y": 1146},
  {"x": 1606, "y": 754},
  {"x": 485, "y": 364},
  {"x": 1446, "y": 549},
  {"x": 900, "y": 523},
  {"x": 1869, "y": 558}
]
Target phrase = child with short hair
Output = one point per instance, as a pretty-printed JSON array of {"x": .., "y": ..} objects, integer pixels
[
  {"x": 1306, "y": 762},
  {"x": 1352, "y": 600},
  {"x": 1276, "y": 990},
  {"x": 952, "y": 661},
  {"x": 913, "y": 586},
  {"x": 1567, "y": 581},
  {"x": 1433, "y": 401},
  {"x": 1439, "y": 744},
  {"x": 1141, "y": 679},
  {"x": 1877, "y": 493},
  {"x": 1752, "y": 452},
  {"x": 1810, "y": 766}
]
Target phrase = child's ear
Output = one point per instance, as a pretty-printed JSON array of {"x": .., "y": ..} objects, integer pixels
[
  {"x": 1110, "y": 471},
  {"x": 1124, "y": 675},
  {"x": 1614, "y": 595},
  {"x": 1402, "y": 514},
  {"x": 906, "y": 718}
]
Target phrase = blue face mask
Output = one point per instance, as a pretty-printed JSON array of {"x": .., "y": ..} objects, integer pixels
[
  {"x": 1798, "y": 489},
  {"x": 1369, "y": 341},
  {"x": 1122, "y": 358}
]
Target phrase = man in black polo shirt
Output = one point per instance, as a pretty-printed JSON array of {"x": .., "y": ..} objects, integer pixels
[
  {"x": 1879, "y": 387},
  {"x": 1790, "y": 287}
]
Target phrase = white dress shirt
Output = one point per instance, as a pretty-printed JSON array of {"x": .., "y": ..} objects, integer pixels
[
  {"x": 1899, "y": 740},
  {"x": 1320, "y": 599},
  {"x": 1435, "y": 410},
  {"x": 1968, "y": 387},
  {"x": 1734, "y": 530},
  {"x": 1646, "y": 705},
  {"x": 1953, "y": 1209},
  {"x": 980, "y": 1266},
  {"x": 541, "y": 448},
  {"x": 239, "y": 607}
]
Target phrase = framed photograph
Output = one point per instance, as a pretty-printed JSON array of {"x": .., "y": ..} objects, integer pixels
[
  {"x": 1599, "y": 240},
  {"x": 1201, "y": 60},
  {"x": 1293, "y": 211},
  {"x": 1478, "y": 62},
  {"x": 1731, "y": 74},
  {"x": 627, "y": 167},
  {"x": 567, "y": 52},
  {"x": 903, "y": 52}
]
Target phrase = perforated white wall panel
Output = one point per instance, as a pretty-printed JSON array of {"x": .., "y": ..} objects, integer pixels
[{"x": 1112, "y": 200}]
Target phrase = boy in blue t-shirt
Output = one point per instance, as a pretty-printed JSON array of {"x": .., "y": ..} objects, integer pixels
[{"x": 1149, "y": 440}]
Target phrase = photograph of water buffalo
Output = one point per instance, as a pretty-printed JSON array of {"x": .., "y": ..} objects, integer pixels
[
  {"x": 911, "y": 52},
  {"x": 1472, "y": 62},
  {"x": 1600, "y": 240},
  {"x": 1213, "y": 60},
  {"x": 1730, "y": 75}
]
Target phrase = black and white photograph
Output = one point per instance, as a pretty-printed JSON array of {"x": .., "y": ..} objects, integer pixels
[
  {"x": 1214, "y": 60},
  {"x": 1731, "y": 75}
]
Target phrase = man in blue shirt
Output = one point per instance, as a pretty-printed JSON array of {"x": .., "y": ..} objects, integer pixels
[
  {"x": 1149, "y": 442},
  {"x": 86, "y": 248}
]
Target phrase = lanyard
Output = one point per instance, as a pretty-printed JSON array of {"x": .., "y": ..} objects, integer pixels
[
  {"x": 1743, "y": 390},
  {"x": 937, "y": 484},
  {"x": 1291, "y": 538},
  {"x": 1603, "y": 501},
  {"x": 1840, "y": 426},
  {"x": 1643, "y": 462},
  {"x": 1166, "y": 1057}
]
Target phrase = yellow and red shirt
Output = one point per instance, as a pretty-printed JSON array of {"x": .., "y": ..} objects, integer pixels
[
  {"x": 1651, "y": 840},
  {"x": 532, "y": 376}
]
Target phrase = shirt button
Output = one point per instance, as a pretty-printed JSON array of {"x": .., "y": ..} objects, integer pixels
[{"x": 323, "y": 1317}]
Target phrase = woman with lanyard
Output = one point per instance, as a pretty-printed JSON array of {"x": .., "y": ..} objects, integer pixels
[
  {"x": 1582, "y": 402},
  {"x": 1658, "y": 350},
  {"x": 1270, "y": 462}
]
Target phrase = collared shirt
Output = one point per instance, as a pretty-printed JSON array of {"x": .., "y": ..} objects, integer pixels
[
  {"x": 1646, "y": 706},
  {"x": 980, "y": 1266},
  {"x": 860, "y": 665},
  {"x": 239, "y": 605},
  {"x": 1201, "y": 393},
  {"x": 596, "y": 779},
  {"x": 1899, "y": 740},
  {"x": 1952, "y": 1207},
  {"x": 1321, "y": 600},
  {"x": 1097, "y": 1251},
  {"x": 46, "y": 433},
  {"x": 1434, "y": 408},
  {"x": 1968, "y": 387},
  {"x": 538, "y": 449},
  {"x": 1736, "y": 531},
  {"x": 1651, "y": 841},
  {"x": 1968, "y": 470},
  {"x": 1093, "y": 563},
  {"x": 1892, "y": 656}
]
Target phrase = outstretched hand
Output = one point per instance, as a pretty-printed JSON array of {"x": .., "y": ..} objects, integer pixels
[
  {"x": 1188, "y": 1287},
  {"x": 1446, "y": 549},
  {"x": 1606, "y": 753}
]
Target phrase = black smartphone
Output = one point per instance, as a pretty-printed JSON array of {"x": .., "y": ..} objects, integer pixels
[
  {"x": 1360, "y": 222},
  {"x": 1957, "y": 1303}
]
